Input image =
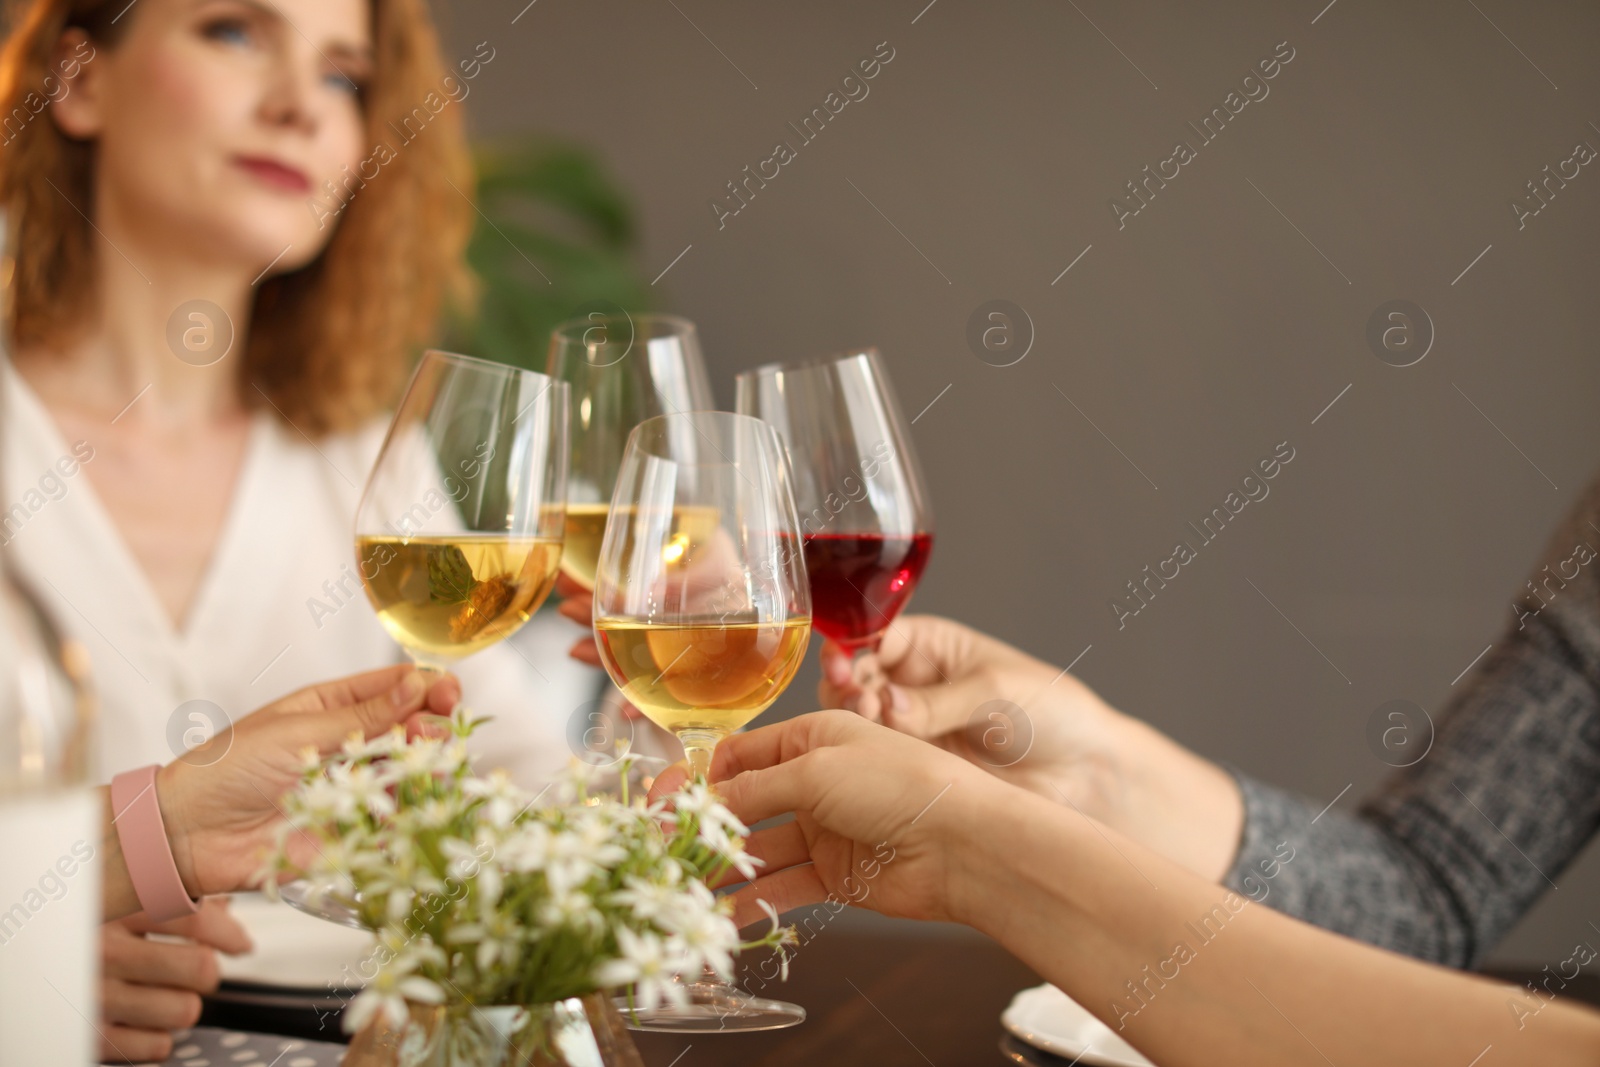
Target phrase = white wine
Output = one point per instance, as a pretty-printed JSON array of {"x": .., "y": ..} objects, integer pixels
[
  {"x": 586, "y": 528},
  {"x": 707, "y": 676},
  {"x": 447, "y": 596},
  {"x": 689, "y": 531}
]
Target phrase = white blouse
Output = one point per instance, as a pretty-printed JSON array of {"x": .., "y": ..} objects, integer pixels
[{"x": 279, "y": 607}]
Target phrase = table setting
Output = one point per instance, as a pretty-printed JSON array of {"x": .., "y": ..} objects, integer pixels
[
  {"x": 432, "y": 901},
  {"x": 421, "y": 910},
  {"x": 465, "y": 604}
]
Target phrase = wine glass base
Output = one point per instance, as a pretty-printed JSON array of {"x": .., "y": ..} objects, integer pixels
[
  {"x": 714, "y": 1009},
  {"x": 328, "y": 906}
]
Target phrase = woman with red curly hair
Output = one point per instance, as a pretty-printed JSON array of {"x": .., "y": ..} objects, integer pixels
[{"x": 231, "y": 222}]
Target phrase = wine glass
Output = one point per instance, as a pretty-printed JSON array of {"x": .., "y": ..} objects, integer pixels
[
  {"x": 864, "y": 511},
  {"x": 621, "y": 369},
  {"x": 458, "y": 534},
  {"x": 702, "y": 615}
]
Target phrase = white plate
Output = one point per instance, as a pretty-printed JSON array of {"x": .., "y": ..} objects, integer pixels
[
  {"x": 1047, "y": 1018},
  {"x": 295, "y": 950}
]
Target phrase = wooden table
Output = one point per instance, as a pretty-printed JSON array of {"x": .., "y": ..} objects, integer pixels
[
  {"x": 878, "y": 992},
  {"x": 875, "y": 992}
]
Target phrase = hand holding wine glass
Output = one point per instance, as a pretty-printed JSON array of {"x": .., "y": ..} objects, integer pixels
[
  {"x": 1020, "y": 718},
  {"x": 459, "y": 531},
  {"x": 1037, "y": 726},
  {"x": 869, "y": 826}
]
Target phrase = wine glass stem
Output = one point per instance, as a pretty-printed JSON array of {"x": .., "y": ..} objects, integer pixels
[{"x": 698, "y": 745}]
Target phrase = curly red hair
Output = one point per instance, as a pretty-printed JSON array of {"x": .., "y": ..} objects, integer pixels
[{"x": 329, "y": 342}]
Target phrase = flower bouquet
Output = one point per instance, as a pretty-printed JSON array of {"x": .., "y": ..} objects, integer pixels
[{"x": 503, "y": 918}]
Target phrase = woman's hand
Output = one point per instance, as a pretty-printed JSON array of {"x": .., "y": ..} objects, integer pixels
[
  {"x": 577, "y": 604},
  {"x": 993, "y": 705},
  {"x": 220, "y": 816},
  {"x": 1036, "y": 726},
  {"x": 900, "y": 827},
  {"x": 880, "y": 818},
  {"x": 149, "y": 988}
]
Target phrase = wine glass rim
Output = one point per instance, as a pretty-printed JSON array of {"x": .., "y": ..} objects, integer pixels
[
  {"x": 867, "y": 352},
  {"x": 478, "y": 362},
  {"x": 571, "y": 331},
  {"x": 735, "y": 417},
  {"x": 761, "y": 427}
]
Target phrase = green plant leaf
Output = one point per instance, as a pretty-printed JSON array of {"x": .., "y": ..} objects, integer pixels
[
  {"x": 450, "y": 578},
  {"x": 556, "y": 238}
]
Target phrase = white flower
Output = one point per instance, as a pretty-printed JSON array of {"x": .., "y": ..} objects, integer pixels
[
  {"x": 715, "y": 819},
  {"x": 423, "y": 756},
  {"x": 708, "y": 939},
  {"x": 569, "y": 863},
  {"x": 436, "y": 812},
  {"x": 648, "y": 901},
  {"x": 732, "y": 850},
  {"x": 441, "y": 859},
  {"x": 398, "y": 904},
  {"x": 572, "y": 910},
  {"x": 504, "y": 801},
  {"x": 525, "y": 847},
  {"x": 360, "y": 787},
  {"x": 598, "y": 836},
  {"x": 467, "y": 864},
  {"x": 357, "y": 747},
  {"x": 386, "y": 995},
  {"x": 498, "y": 936},
  {"x": 648, "y": 962},
  {"x": 785, "y": 938},
  {"x": 319, "y": 801},
  {"x": 717, "y": 828}
]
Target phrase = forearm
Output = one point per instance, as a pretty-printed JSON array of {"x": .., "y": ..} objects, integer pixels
[
  {"x": 119, "y": 898},
  {"x": 1178, "y": 804},
  {"x": 1194, "y": 975},
  {"x": 116, "y": 887},
  {"x": 1148, "y": 787}
]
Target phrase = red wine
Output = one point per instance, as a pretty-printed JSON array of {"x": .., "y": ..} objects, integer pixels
[{"x": 859, "y": 582}]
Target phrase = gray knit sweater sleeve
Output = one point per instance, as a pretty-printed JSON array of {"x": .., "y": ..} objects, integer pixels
[{"x": 1450, "y": 852}]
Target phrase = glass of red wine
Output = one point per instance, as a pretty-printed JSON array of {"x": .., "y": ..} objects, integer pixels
[{"x": 865, "y": 520}]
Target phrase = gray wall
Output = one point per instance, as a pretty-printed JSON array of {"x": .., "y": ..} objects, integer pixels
[{"x": 1199, "y": 336}]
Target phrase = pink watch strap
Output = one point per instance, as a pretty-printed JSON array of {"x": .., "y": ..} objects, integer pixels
[{"x": 145, "y": 848}]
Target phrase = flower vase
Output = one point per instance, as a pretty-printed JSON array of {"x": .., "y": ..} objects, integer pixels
[{"x": 578, "y": 1032}]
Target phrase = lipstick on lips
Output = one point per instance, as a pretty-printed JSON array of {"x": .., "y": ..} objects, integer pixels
[{"x": 272, "y": 173}]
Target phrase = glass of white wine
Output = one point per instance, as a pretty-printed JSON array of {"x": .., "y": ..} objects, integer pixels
[
  {"x": 621, "y": 369},
  {"x": 458, "y": 534},
  {"x": 702, "y": 615}
]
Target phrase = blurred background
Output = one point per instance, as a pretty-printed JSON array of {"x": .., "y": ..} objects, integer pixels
[{"x": 1170, "y": 350}]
